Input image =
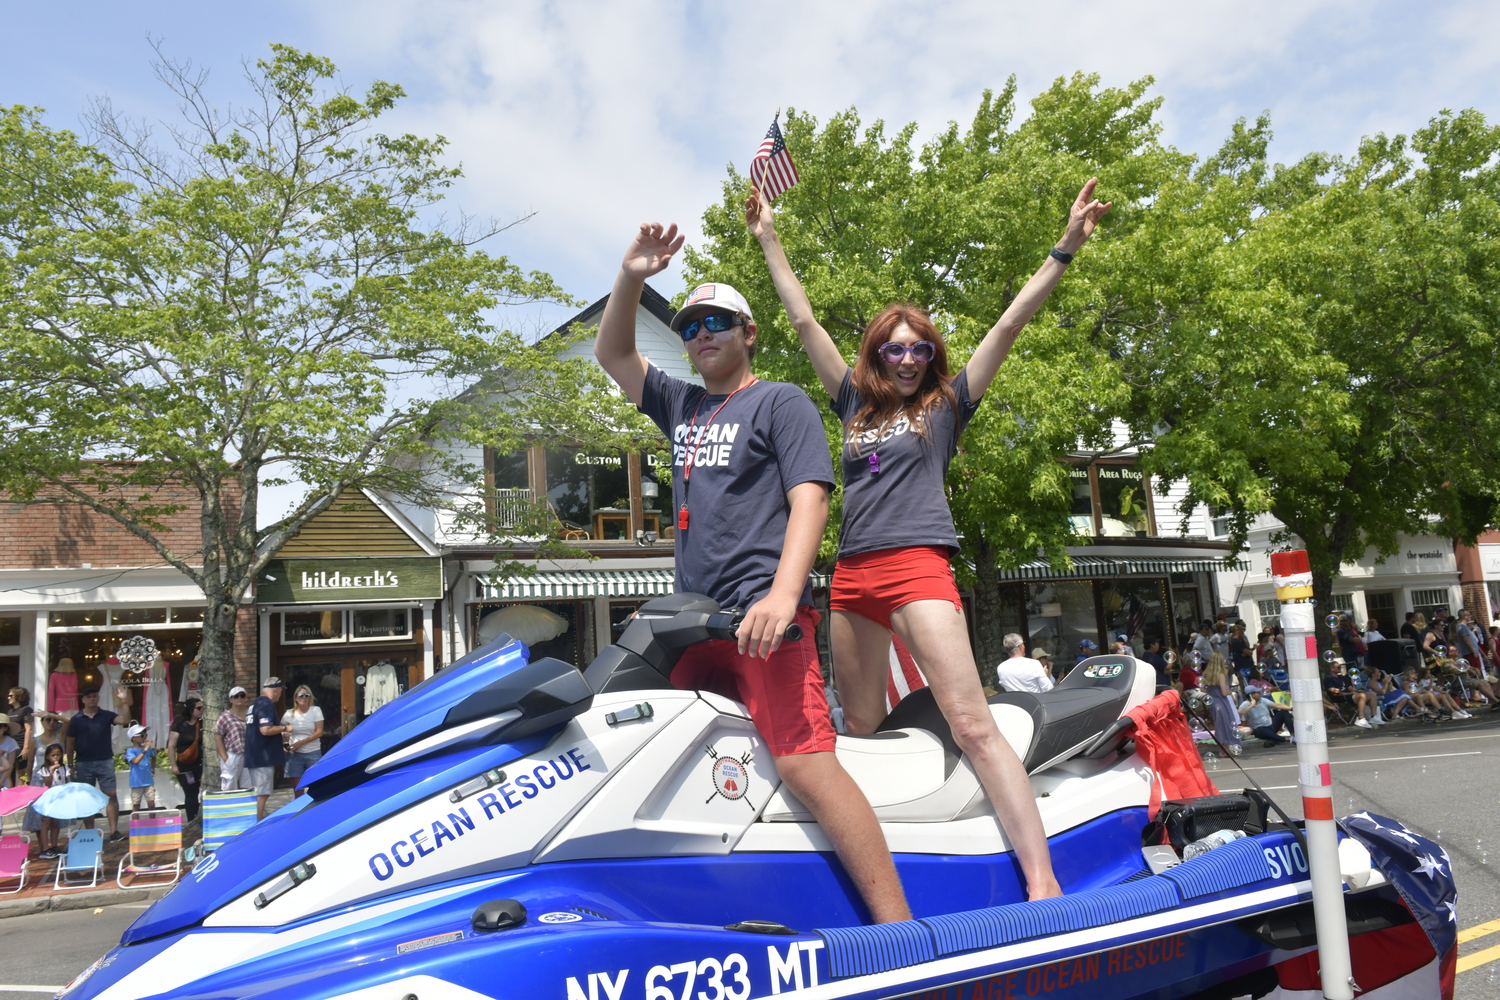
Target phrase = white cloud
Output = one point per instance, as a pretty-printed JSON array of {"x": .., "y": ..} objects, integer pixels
[{"x": 598, "y": 116}]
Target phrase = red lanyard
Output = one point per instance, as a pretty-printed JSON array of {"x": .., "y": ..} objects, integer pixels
[{"x": 687, "y": 461}]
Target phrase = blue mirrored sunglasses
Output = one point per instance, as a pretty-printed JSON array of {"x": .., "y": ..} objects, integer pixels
[{"x": 713, "y": 323}]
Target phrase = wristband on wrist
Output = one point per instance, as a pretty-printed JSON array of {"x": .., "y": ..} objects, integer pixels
[{"x": 1061, "y": 255}]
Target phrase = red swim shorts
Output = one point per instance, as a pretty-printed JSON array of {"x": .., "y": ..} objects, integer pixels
[
  {"x": 874, "y": 584},
  {"x": 783, "y": 694}
]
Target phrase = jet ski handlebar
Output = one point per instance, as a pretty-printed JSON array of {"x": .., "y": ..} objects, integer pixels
[
  {"x": 645, "y": 653},
  {"x": 726, "y": 625}
]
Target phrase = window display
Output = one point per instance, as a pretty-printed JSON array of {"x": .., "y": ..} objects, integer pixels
[{"x": 381, "y": 623}]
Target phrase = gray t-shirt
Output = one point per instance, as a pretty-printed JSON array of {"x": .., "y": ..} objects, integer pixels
[
  {"x": 907, "y": 490},
  {"x": 765, "y": 440}
]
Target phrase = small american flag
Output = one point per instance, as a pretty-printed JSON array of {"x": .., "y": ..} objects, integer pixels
[{"x": 771, "y": 169}]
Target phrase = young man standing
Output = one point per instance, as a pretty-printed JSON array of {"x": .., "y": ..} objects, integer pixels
[
  {"x": 750, "y": 485},
  {"x": 91, "y": 754}
]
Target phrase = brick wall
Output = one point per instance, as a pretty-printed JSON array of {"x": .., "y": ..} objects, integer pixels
[
  {"x": 46, "y": 535},
  {"x": 1478, "y": 602}
]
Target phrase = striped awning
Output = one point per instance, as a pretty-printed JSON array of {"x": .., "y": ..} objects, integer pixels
[
  {"x": 1111, "y": 566},
  {"x": 580, "y": 583}
]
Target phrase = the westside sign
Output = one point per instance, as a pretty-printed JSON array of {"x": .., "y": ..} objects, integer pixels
[{"x": 294, "y": 581}]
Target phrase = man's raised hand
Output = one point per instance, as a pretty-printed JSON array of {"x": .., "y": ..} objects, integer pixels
[
  {"x": 652, "y": 249},
  {"x": 1084, "y": 216}
]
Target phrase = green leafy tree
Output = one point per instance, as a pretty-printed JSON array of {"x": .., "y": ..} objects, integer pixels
[
  {"x": 957, "y": 227},
  {"x": 260, "y": 301},
  {"x": 1322, "y": 345}
]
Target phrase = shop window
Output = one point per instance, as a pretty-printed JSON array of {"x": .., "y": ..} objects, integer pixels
[
  {"x": 83, "y": 618},
  {"x": 1123, "y": 502},
  {"x": 187, "y": 614},
  {"x": 1270, "y": 613},
  {"x": 303, "y": 627},
  {"x": 1060, "y": 615},
  {"x": 1427, "y": 602},
  {"x": 1082, "y": 513},
  {"x": 1186, "y": 613},
  {"x": 381, "y": 623},
  {"x": 1342, "y": 604},
  {"x": 513, "y": 471},
  {"x": 620, "y": 613},
  {"x": 10, "y": 631},
  {"x": 1494, "y": 591},
  {"x": 1136, "y": 609},
  {"x": 562, "y": 633},
  {"x": 380, "y": 682},
  {"x": 138, "y": 616},
  {"x": 580, "y": 484}
]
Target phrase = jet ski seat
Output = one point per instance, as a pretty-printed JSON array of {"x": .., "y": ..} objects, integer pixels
[
  {"x": 1064, "y": 720},
  {"x": 911, "y": 769}
]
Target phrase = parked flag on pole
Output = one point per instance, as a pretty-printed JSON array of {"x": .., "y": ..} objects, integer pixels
[{"x": 771, "y": 169}]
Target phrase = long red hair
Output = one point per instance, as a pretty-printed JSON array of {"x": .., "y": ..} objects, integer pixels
[{"x": 882, "y": 403}]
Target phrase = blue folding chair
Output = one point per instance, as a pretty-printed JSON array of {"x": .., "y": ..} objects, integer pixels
[{"x": 85, "y": 857}]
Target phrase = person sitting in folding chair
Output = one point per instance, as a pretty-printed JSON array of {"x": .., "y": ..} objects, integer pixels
[{"x": 1339, "y": 696}]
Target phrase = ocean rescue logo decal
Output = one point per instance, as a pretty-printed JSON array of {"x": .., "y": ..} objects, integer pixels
[
  {"x": 472, "y": 816},
  {"x": 731, "y": 775}
]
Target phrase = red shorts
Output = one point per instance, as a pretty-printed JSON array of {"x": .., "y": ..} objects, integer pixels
[
  {"x": 784, "y": 694},
  {"x": 874, "y": 584}
]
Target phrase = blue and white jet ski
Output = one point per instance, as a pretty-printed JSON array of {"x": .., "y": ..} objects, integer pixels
[{"x": 522, "y": 829}]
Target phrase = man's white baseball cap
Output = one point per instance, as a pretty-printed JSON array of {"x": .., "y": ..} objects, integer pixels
[{"x": 708, "y": 297}]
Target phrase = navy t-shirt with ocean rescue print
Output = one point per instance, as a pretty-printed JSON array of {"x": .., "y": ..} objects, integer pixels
[
  {"x": 765, "y": 440},
  {"x": 903, "y": 505}
]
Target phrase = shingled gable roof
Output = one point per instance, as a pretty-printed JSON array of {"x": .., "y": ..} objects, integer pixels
[{"x": 655, "y": 304}]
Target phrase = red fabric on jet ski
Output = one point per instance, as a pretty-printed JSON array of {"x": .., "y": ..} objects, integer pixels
[
  {"x": 1163, "y": 740},
  {"x": 905, "y": 676},
  {"x": 1396, "y": 963}
]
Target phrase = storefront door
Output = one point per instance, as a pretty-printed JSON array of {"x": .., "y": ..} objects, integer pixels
[{"x": 348, "y": 689}]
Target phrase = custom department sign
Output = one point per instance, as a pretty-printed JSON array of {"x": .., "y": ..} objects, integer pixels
[{"x": 320, "y": 581}]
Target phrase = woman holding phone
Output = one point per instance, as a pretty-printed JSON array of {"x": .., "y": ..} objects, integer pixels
[{"x": 903, "y": 412}]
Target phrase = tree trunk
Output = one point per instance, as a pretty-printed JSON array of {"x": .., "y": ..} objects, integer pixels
[
  {"x": 989, "y": 617},
  {"x": 216, "y": 675}
]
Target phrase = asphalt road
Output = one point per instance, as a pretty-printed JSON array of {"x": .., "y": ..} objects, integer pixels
[{"x": 1433, "y": 778}]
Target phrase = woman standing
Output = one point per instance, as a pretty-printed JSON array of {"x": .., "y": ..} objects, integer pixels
[
  {"x": 305, "y": 740},
  {"x": 185, "y": 751},
  {"x": 1221, "y": 697},
  {"x": 903, "y": 413}
]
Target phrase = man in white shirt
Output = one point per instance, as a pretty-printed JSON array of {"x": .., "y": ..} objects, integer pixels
[{"x": 1020, "y": 672}]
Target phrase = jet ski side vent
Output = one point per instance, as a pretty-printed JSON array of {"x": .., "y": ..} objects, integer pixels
[
  {"x": 1000, "y": 925},
  {"x": 1237, "y": 863},
  {"x": 861, "y": 951}
]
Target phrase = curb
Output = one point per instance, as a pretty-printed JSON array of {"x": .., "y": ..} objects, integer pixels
[{"x": 79, "y": 900}]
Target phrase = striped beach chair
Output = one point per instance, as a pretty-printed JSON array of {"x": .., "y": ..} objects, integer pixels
[
  {"x": 225, "y": 815},
  {"x": 155, "y": 856}
]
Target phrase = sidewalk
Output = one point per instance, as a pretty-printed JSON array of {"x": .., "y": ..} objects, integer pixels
[{"x": 39, "y": 894}]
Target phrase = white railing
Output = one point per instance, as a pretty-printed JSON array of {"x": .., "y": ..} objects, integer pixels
[{"x": 513, "y": 508}]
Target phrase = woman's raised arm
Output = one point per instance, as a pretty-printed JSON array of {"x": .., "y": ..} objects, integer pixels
[
  {"x": 820, "y": 348},
  {"x": 991, "y": 352}
]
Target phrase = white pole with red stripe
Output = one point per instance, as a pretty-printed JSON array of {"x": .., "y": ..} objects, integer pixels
[{"x": 1292, "y": 575}]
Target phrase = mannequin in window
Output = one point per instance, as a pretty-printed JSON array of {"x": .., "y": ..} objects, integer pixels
[
  {"x": 62, "y": 688},
  {"x": 156, "y": 711}
]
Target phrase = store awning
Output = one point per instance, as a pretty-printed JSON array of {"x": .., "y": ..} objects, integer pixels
[
  {"x": 1111, "y": 566},
  {"x": 572, "y": 585}
]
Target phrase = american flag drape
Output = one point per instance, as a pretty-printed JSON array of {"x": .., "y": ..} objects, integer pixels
[{"x": 771, "y": 169}]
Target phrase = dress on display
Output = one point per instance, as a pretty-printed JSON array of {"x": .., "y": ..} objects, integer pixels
[
  {"x": 62, "y": 692},
  {"x": 156, "y": 712}
]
